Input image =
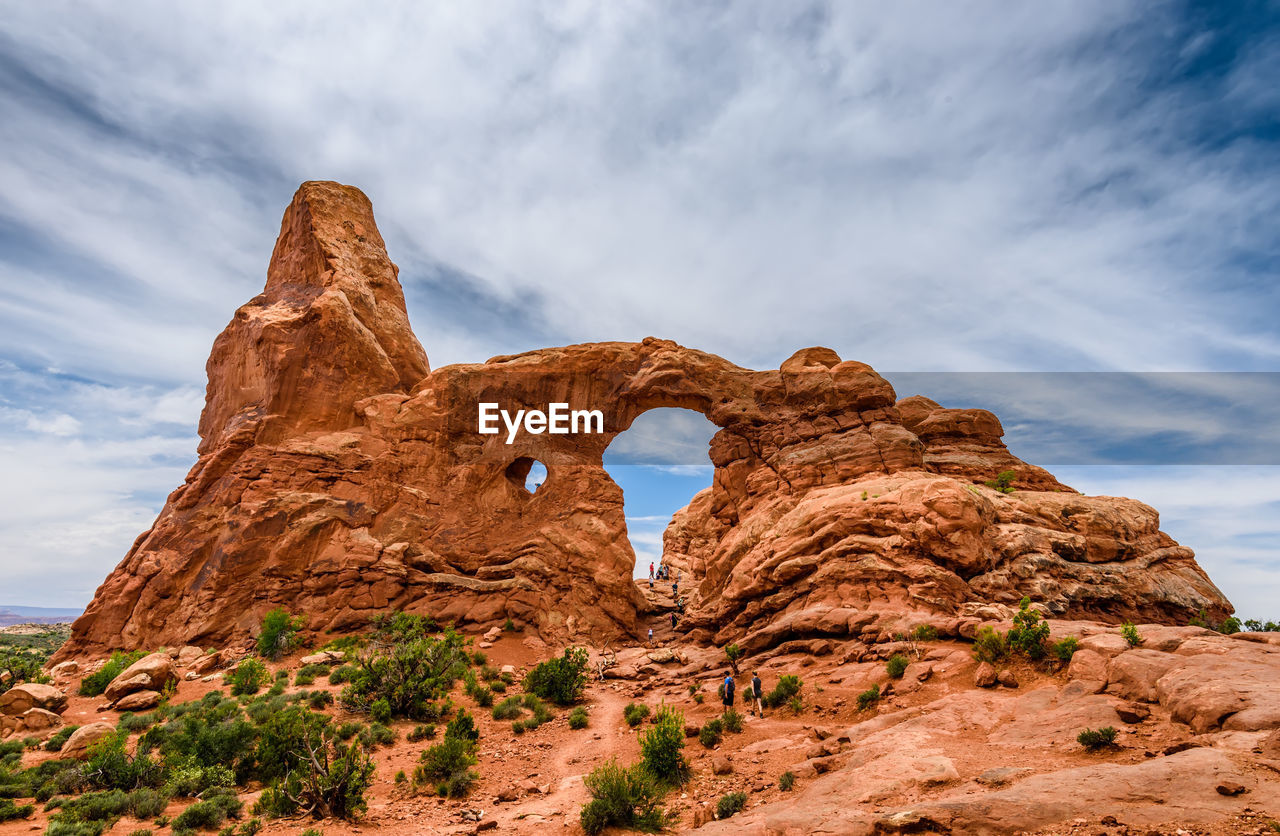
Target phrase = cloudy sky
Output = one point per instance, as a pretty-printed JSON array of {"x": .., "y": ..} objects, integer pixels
[{"x": 927, "y": 187}]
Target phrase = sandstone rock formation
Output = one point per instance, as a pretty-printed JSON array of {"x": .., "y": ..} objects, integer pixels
[
  {"x": 30, "y": 695},
  {"x": 150, "y": 673},
  {"x": 339, "y": 477}
]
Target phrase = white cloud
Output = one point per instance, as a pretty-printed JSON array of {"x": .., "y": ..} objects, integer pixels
[{"x": 982, "y": 187}]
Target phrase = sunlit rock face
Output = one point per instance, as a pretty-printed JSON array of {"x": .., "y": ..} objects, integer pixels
[{"x": 339, "y": 477}]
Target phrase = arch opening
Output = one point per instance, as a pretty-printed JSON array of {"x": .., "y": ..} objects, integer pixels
[
  {"x": 660, "y": 462},
  {"x": 527, "y": 474}
]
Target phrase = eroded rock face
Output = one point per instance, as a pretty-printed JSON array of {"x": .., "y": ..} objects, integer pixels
[{"x": 339, "y": 477}]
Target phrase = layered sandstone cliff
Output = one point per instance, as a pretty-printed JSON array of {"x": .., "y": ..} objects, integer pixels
[{"x": 339, "y": 477}]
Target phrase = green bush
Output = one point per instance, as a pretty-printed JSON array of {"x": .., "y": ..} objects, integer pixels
[
  {"x": 55, "y": 742},
  {"x": 1003, "y": 481},
  {"x": 110, "y": 767},
  {"x": 730, "y": 804},
  {"x": 1065, "y": 648},
  {"x": 635, "y": 713},
  {"x": 662, "y": 747},
  {"x": 560, "y": 680},
  {"x": 709, "y": 734},
  {"x": 732, "y": 721},
  {"x": 1029, "y": 632},
  {"x": 317, "y": 773},
  {"x": 897, "y": 665},
  {"x": 248, "y": 678},
  {"x": 187, "y": 777},
  {"x": 279, "y": 633},
  {"x": 1131, "y": 634},
  {"x": 508, "y": 709},
  {"x": 97, "y": 682},
  {"x": 342, "y": 674},
  {"x": 146, "y": 803},
  {"x": 578, "y": 718},
  {"x": 626, "y": 797},
  {"x": 869, "y": 697},
  {"x": 209, "y": 814},
  {"x": 421, "y": 733},
  {"x": 462, "y": 727},
  {"x": 1096, "y": 739},
  {"x": 10, "y": 811},
  {"x": 925, "y": 633},
  {"x": 509, "y": 626},
  {"x": 447, "y": 767},
  {"x": 990, "y": 646},
  {"x": 788, "y": 687},
  {"x": 375, "y": 735},
  {"x": 786, "y": 781},
  {"x": 380, "y": 711},
  {"x": 407, "y": 669},
  {"x": 319, "y": 700}
]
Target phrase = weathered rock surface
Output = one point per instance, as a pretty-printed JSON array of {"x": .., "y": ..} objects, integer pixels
[
  {"x": 152, "y": 672},
  {"x": 339, "y": 477},
  {"x": 29, "y": 695},
  {"x": 78, "y": 744}
]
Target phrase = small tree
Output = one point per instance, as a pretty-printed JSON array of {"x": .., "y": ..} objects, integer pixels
[
  {"x": 733, "y": 653},
  {"x": 627, "y": 797},
  {"x": 662, "y": 747},
  {"x": 1003, "y": 481},
  {"x": 1029, "y": 633},
  {"x": 279, "y": 633},
  {"x": 560, "y": 680},
  {"x": 897, "y": 665},
  {"x": 1131, "y": 634}
]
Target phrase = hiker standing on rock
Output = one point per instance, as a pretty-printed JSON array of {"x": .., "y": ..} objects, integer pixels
[
  {"x": 757, "y": 694},
  {"x": 728, "y": 692},
  {"x": 650, "y": 570},
  {"x": 651, "y": 637}
]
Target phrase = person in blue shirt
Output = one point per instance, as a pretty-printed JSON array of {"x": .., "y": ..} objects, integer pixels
[{"x": 728, "y": 691}]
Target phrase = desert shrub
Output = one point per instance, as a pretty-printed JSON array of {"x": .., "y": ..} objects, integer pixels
[
  {"x": 578, "y": 718},
  {"x": 208, "y": 732},
  {"x": 304, "y": 679},
  {"x": 897, "y": 665},
  {"x": 463, "y": 727},
  {"x": 90, "y": 813},
  {"x": 1131, "y": 634},
  {"x": 401, "y": 777},
  {"x": 279, "y": 633},
  {"x": 76, "y": 828},
  {"x": 446, "y": 766},
  {"x": 509, "y": 626},
  {"x": 248, "y": 678},
  {"x": 479, "y": 658},
  {"x": 1029, "y": 632},
  {"x": 55, "y": 742},
  {"x": 925, "y": 633},
  {"x": 635, "y": 713},
  {"x": 869, "y": 697},
  {"x": 1257, "y": 625},
  {"x": 315, "y": 771},
  {"x": 375, "y": 735},
  {"x": 709, "y": 734},
  {"x": 541, "y": 714},
  {"x": 421, "y": 733},
  {"x": 560, "y": 680},
  {"x": 788, "y": 686},
  {"x": 508, "y": 709},
  {"x": 732, "y": 721},
  {"x": 662, "y": 747},
  {"x": 482, "y": 695},
  {"x": 10, "y": 811},
  {"x": 146, "y": 803},
  {"x": 319, "y": 699},
  {"x": 1065, "y": 648},
  {"x": 401, "y": 628},
  {"x": 287, "y": 738},
  {"x": 188, "y": 778},
  {"x": 209, "y": 813},
  {"x": 730, "y": 804},
  {"x": 342, "y": 674},
  {"x": 1093, "y": 739},
  {"x": 97, "y": 682},
  {"x": 796, "y": 704},
  {"x": 990, "y": 646},
  {"x": 626, "y": 797},
  {"x": 348, "y": 730},
  {"x": 1003, "y": 481},
  {"x": 110, "y": 767},
  {"x": 380, "y": 711},
  {"x": 786, "y": 781},
  {"x": 407, "y": 669}
]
